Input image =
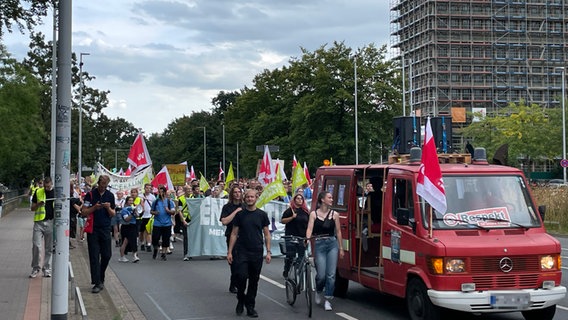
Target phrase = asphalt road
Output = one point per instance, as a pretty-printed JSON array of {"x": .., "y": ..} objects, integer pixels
[{"x": 198, "y": 289}]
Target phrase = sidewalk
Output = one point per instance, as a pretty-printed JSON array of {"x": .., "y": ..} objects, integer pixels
[{"x": 30, "y": 299}]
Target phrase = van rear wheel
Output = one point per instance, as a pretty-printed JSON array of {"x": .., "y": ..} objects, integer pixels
[
  {"x": 341, "y": 286},
  {"x": 418, "y": 303},
  {"x": 540, "y": 314}
]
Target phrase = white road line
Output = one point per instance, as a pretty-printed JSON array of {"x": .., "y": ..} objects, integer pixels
[
  {"x": 564, "y": 268},
  {"x": 158, "y": 306},
  {"x": 276, "y": 283},
  {"x": 346, "y": 316},
  {"x": 561, "y": 307}
]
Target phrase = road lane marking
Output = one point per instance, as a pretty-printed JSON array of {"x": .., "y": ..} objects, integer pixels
[
  {"x": 158, "y": 306},
  {"x": 276, "y": 283},
  {"x": 561, "y": 307},
  {"x": 346, "y": 316}
]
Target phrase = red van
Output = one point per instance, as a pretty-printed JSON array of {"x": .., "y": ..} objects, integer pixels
[{"x": 488, "y": 253}]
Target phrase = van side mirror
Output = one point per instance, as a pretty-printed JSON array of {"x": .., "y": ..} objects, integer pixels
[{"x": 542, "y": 211}]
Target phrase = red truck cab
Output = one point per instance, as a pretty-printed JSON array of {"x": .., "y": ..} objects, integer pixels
[{"x": 488, "y": 253}]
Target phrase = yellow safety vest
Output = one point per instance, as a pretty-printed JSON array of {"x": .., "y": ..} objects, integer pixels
[
  {"x": 136, "y": 202},
  {"x": 40, "y": 211},
  {"x": 185, "y": 208}
]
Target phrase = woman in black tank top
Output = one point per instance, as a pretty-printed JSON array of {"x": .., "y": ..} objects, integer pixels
[{"x": 324, "y": 221}]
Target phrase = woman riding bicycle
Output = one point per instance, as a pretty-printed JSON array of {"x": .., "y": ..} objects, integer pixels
[
  {"x": 296, "y": 220},
  {"x": 325, "y": 221}
]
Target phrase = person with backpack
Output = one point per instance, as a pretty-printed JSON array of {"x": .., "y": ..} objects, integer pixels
[{"x": 163, "y": 208}]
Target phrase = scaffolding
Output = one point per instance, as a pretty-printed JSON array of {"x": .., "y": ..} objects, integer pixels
[{"x": 480, "y": 53}]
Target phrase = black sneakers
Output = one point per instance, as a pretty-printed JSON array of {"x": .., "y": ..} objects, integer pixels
[{"x": 240, "y": 308}]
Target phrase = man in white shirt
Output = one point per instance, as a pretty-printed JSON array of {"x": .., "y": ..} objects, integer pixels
[{"x": 147, "y": 199}]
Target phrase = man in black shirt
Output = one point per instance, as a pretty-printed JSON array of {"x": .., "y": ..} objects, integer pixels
[
  {"x": 42, "y": 239},
  {"x": 99, "y": 202},
  {"x": 228, "y": 213},
  {"x": 250, "y": 226}
]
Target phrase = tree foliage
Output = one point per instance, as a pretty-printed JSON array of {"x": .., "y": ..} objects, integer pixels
[
  {"x": 531, "y": 132},
  {"x": 22, "y": 14},
  {"x": 22, "y": 147}
]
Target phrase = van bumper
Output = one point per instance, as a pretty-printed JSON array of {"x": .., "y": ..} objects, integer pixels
[{"x": 481, "y": 301}]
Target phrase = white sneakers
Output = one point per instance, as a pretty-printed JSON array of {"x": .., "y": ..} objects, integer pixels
[
  {"x": 318, "y": 297},
  {"x": 327, "y": 305},
  {"x": 123, "y": 259}
]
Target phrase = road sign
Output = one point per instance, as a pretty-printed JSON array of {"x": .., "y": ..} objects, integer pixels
[{"x": 564, "y": 163}]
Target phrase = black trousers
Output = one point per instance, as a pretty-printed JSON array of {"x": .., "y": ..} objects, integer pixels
[
  {"x": 233, "y": 283},
  {"x": 100, "y": 251},
  {"x": 247, "y": 267}
]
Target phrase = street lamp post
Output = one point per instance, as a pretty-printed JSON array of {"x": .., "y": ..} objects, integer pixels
[
  {"x": 204, "y": 150},
  {"x": 80, "y": 149},
  {"x": 563, "y": 70},
  {"x": 356, "y": 124}
]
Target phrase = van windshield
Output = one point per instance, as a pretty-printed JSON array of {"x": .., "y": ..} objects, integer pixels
[{"x": 484, "y": 202}]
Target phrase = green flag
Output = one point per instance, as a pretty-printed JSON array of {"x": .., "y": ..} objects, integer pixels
[
  {"x": 230, "y": 176},
  {"x": 270, "y": 192},
  {"x": 298, "y": 178},
  {"x": 203, "y": 184}
]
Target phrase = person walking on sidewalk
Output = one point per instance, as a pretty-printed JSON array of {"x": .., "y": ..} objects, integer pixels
[
  {"x": 250, "y": 226},
  {"x": 42, "y": 240},
  {"x": 99, "y": 202},
  {"x": 128, "y": 231}
]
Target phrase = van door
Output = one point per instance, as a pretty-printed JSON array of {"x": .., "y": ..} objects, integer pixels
[
  {"x": 342, "y": 186},
  {"x": 397, "y": 251}
]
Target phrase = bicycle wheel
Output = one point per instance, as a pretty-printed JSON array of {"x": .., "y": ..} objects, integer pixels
[
  {"x": 290, "y": 291},
  {"x": 309, "y": 281}
]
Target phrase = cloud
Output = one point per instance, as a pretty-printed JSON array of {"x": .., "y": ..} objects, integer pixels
[{"x": 162, "y": 59}]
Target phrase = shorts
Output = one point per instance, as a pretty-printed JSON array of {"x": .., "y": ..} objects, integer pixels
[
  {"x": 116, "y": 220},
  {"x": 143, "y": 223},
  {"x": 81, "y": 221},
  {"x": 161, "y": 233}
]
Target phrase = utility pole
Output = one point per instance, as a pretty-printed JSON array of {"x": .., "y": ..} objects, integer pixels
[{"x": 60, "y": 284}]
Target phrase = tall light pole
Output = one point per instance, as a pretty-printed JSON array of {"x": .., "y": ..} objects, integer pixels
[
  {"x": 80, "y": 148},
  {"x": 204, "y": 150},
  {"x": 356, "y": 123},
  {"x": 563, "y": 70}
]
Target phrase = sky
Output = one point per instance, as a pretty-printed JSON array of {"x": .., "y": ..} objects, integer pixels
[{"x": 163, "y": 59}]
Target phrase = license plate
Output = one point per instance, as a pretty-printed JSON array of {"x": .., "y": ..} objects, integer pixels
[{"x": 510, "y": 300}]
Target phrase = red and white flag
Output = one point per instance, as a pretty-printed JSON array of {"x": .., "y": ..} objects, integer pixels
[
  {"x": 294, "y": 162},
  {"x": 192, "y": 174},
  {"x": 163, "y": 178},
  {"x": 266, "y": 173},
  {"x": 307, "y": 174},
  {"x": 221, "y": 173},
  {"x": 128, "y": 171},
  {"x": 430, "y": 184},
  {"x": 138, "y": 157}
]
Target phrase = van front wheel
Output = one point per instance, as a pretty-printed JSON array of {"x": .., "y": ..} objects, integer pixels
[{"x": 418, "y": 303}]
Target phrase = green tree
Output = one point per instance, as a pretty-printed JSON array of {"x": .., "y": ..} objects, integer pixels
[
  {"x": 23, "y": 14},
  {"x": 23, "y": 153},
  {"x": 532, "y": 132}
]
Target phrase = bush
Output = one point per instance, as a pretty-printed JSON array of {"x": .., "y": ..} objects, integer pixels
[{"x": 556, "y": 202}]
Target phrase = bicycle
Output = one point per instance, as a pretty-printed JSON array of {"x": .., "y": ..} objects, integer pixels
[{"x": 301, "y": 276}]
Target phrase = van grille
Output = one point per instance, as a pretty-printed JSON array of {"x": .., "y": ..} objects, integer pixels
[{"x": 488, "y": 274}]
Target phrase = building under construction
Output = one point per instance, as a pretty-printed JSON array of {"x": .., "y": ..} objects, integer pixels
[{"x": 463, "y": 56}]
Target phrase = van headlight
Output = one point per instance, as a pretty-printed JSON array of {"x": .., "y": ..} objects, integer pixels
[
  {"x": 550, "y": 262},
  {"x": 455, "y": 265}
]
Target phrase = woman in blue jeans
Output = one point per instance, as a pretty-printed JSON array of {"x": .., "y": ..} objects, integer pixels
[{"x": 325, "y": 221}]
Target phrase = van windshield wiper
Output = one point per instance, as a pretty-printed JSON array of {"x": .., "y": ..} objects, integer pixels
[
  {"x": 467, "y": 223},
  {"x": 503, "y": 220}
]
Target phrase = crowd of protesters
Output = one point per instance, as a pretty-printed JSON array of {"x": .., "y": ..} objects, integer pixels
[{"x": 153, "y": 218}]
